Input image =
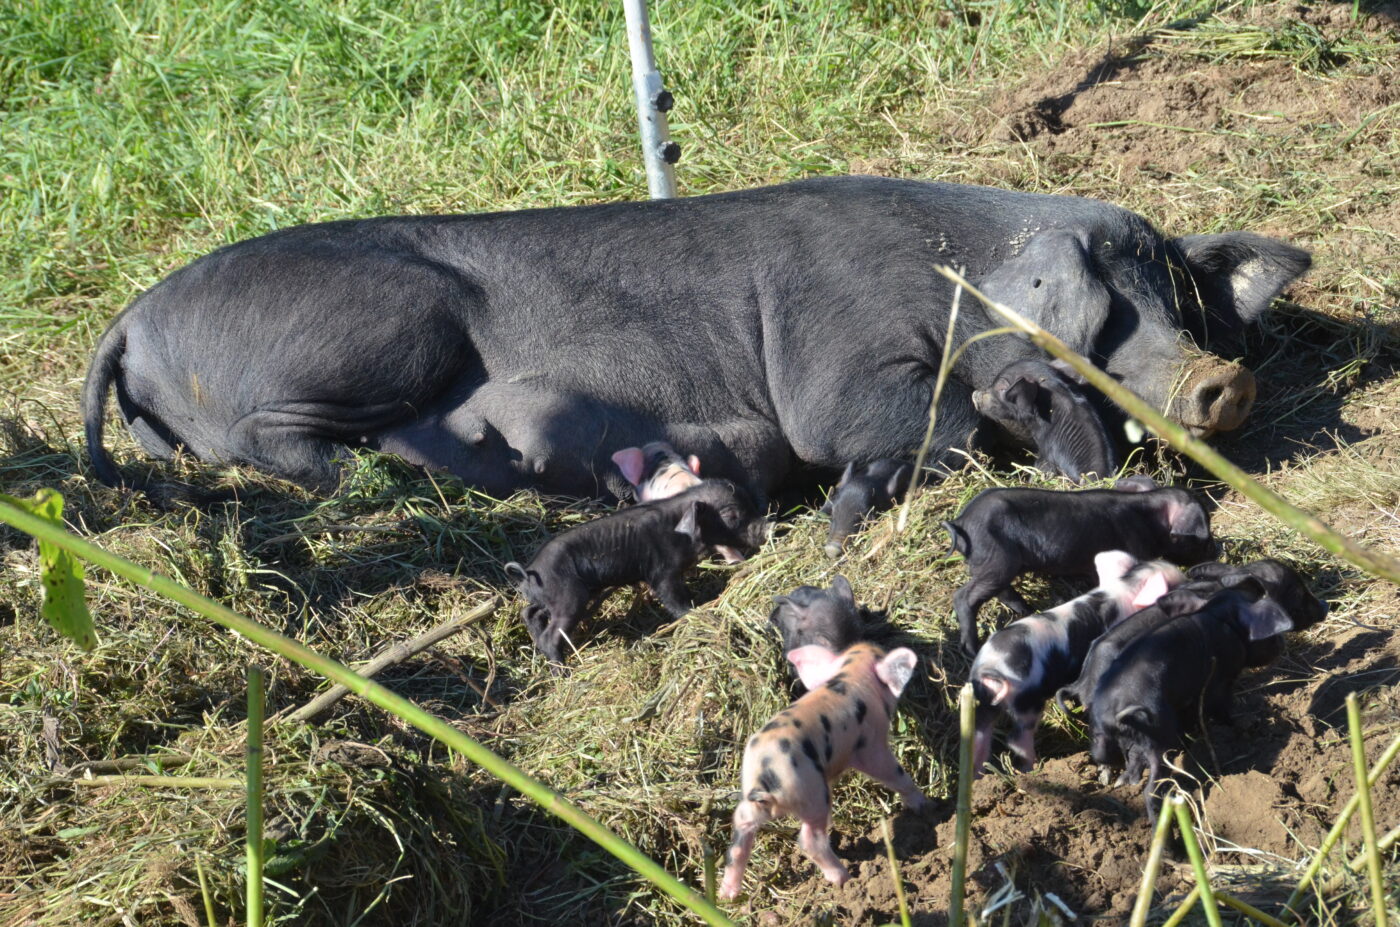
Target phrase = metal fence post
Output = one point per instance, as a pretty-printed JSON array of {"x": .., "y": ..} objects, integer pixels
[{"x": 653, "y": 102}]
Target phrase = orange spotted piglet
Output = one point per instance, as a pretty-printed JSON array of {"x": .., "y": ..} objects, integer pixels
[{"x": 841, "y": 723}]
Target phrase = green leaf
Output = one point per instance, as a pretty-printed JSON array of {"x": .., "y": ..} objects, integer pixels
[{"x": 65, "y": 604}]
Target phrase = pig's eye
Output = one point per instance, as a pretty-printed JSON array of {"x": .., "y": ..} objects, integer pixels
[{"x": 730, "y": 514}]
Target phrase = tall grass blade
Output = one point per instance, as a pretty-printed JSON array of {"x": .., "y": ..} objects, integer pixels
[
  {"x": 1368, "y": 819},
  {"x": 957, "y": 901},
  {"x": 1154, "y": 865},
  {"x": 254, "y": 790},
  {"x": 1198, "y": 862}
]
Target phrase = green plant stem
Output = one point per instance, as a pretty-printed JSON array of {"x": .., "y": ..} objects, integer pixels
[
  {"x": 209, "y": 919},
  {"x": 1249, "y": 910},
  {"x": 255, "y": 797},
  {"x": 967, "y": 705},
  {"x": 945, "y": 367},
  {"x": 1154, "y": 865},
  {"x": 888, "y": 832},
  {"x": 157, "y": 782},
  {"x": 548, "y": 799},
  {"x": 1368, "y": 819},
  {"x": 1183, "y": 909},
  {"x": 1335, "y": 833},
  {"x": 1373, "y": 562},
  {"x": 1198, "y": 862}
]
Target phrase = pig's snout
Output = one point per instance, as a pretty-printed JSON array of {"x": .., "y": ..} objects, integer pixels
[{"x": 1216, "y": 396}]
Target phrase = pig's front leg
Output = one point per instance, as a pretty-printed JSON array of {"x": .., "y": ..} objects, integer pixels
[
  {"x": 1013, "y": 600},
  {"x": 671, "y": 593},
  {"x": 879, "y": 763},
  {"x": 815, "y": 841},
  {"x": 1022, "y": 739}
]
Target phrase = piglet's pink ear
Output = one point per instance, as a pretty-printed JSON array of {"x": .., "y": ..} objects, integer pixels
[
  {"x": 1151, "y": 591},
  {"x": 815, "y": 664},
  {"x": 632, "y": 463},
  {"x": 896, "y": 669},
  {"x": 1113, "y": 565},
  {"x": 694, "y": 464}
]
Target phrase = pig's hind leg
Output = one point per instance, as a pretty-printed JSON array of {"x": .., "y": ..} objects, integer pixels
[
  {"x": 879, "y": 764},
  {"x": 815, "y": 841},
  {"x": 748, "y": 818}
]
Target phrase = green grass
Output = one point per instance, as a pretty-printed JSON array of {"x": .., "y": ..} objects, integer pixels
[{"x": 135, "y": 137}]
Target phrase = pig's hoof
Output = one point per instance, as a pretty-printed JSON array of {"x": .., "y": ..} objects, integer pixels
[
  {"x": 838, "y": 878},
  {"x": 832, "y": 550},
  {"x": 1104, "y": 774}
]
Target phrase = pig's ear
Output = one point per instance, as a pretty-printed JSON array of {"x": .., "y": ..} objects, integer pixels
[
  {"x": 690, "y": 521},
  {"x": 1152, "y": 590},
  {"x": 1188, "y": 520},
  {"x": 900, "y": 481},
  {"x": 1137, "y": 483},
  {"x": 1022, "y": 393},
  {"x": 694, "y": 463},
  {"x": 815, "y": 664},
  {"x": 1212, "y": 570},
  {"x": 846, "y": 474},
  {"x": 896, "y": 669},
  {"x": 1264, "y": 619},
  {"x": 1181, "y": 602},
  {"x": 842, "y": 587},
  {"x": 632, "y": 462},
  {"x": 1112, "y": 565}
]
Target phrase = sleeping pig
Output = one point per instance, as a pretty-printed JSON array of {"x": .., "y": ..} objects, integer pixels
[
  {"x": 863, "y": 490},
  {"x": 1282, "y": 585},
  {"x": 1023, "y": 664},
  {"x": 1038, "y": 404},
  {"x": 812, "y": 615},
  {"x": 1006, "y": 532},
  {"x": 842, "y": 722},
  {"x": 656, "y": 471},
  {"x": 1175, "y": 673},
  {"x": 655, "y": 542}
]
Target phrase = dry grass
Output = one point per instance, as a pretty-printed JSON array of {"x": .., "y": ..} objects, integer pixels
[{"x": 373, "y": 823}]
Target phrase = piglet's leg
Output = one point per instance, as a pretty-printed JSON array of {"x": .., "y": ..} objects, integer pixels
[
  {"x": 671, "y": 592},
  {"x": 1012, "y": 600},
  {"x": 1022, "y": 740},
  {"x": 748, "y": 818},
  {"x": 982, "y": 739},
  {"x": 1154, "y": 776},
  {"x": 879, "y": 764},
  {"x": 816, "y": 843}
]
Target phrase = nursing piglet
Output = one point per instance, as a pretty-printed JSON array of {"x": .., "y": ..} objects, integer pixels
[
  {"x": 842, "y": 722},
  {"x": 1006, "y": 532},
  {"x": 863, "y": 490},
  {"x": 1039, "y": 404},
  {"x": 1023, "y": 664},
  {"x": 1282, "y": 585},
  {"x": 656, "y": 471},
  {"x": 812, "y": 615},
  {"x": 1168, "y": 677},
  {"x": 653, "y": 543}
]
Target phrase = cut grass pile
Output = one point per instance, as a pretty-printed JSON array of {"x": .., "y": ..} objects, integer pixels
[{"x": 139, "y": 136}]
